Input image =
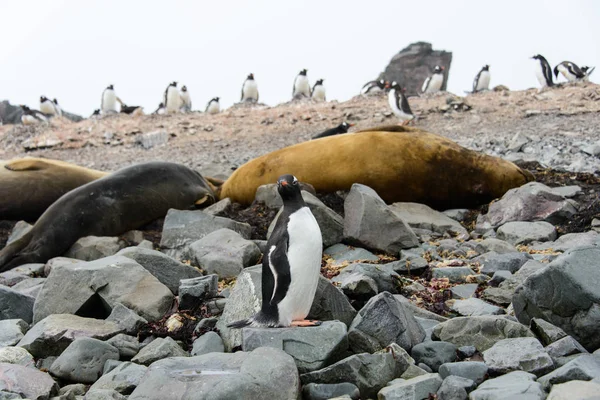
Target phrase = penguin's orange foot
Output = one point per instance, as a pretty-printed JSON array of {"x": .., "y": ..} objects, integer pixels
[{"x": 306, "y": 322}]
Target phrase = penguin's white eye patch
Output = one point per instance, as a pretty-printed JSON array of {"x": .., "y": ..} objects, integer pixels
[{"x": 295, "y": 180}]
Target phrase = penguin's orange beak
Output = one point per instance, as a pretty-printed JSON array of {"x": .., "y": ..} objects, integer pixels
[
  {"x": 351, "y": 124},
  {"x": 284, "y": 183}
]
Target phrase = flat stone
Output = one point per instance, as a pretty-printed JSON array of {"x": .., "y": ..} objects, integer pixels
[
  {"x": 28, "y": 382},
  {"x": 91, "y": 248},
  {"x": 312, "y": 348},
  {"x": 75, "y": 389},
  {"x": 496, "y": 245},
  {"x": 434, "y": 354},
  {"x": 220, "y": 208},
  {"x": 570, "y": 241},
  {"x": 423, "y": 217},
  {"x": 193, "y": 291},
  {"x": 83, "y": 361},
  {"x": 499, "y": 277},
  {"x": 492, "y": 262},
  {"x": 473, "y": 307},
  {"x": 520, "y": 232},
  {"x": 126, "y": 319},
  {"x": 210, "y": 342},
  {"x": 464, "y": 291},
  {"x": 472, "y": 370},
  {"x": 18, "y": 231},
  {"x": 502, "y": 358},
  {"x": 545, "y": 331},
  {"x": 128, "y": 346},
  {"x": 341, "y": 253},
  {"x": 11, "y": 331},
  {"x": 104, "y": 394},
  {"x": 454, "y": 274},
  {"x": 416, "y": 388},
  {"x": 15, "y": 305},
  {"x": 358, "y": 279},
  {"x": 158, "y": 349},
  {"x": 31, "y": 286},
  {"x": 16, "y": 355},
  {"x": 575, "y": 390},
  {"x": 123, "y": 379},
  {"x": 585, "y": 368},
  {"x": 10, "y": 278},
  {"x": 455, "y": 387},
  {"x": 263, "y": 374},
  {"x": 514, "y": 385},
  {"x": 316, "y": 391}
]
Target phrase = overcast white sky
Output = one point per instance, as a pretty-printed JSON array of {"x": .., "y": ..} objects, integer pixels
[{"x": 73, "y": 49}]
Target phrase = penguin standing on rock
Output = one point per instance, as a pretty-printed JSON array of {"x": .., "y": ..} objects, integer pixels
[
  {"x": 213, "y": 106},
  {"x": 250, "y": 90},
  {"x": 399, "y": 104},
  {"x": 543, "y": 71},
  {"x": 32, "y": 117},
  {"x": 160, "y": 110},
  {"x": 341, "y": 128},
  {"x": 318, "y": 91},
  {"x": 482, "y": 80},
  {"x": 291, "y": 264},
  {"x": 57, "y": 107},
  {"x": 47, "y": 106},
  {"x": 373, "y": 87},
  {"x": 109, "y": 100},
  {"x": 569, "y": 70},
  {"x": 172, "y": 98},
  {"x": 301, "y": 86},
  {"x": 186, "y": 100},
  {"x": 434, "y": 82}
]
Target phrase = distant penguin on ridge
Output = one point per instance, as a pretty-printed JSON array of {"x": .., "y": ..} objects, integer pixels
[
  {"x": 213, "y": 106},
  {"x": 250, "y": 90},
  {"x": 109, "y": 100},
  {"x": 482, "y": 80},
  {"x": 160, "y": 110},
  {"x": 434, "y": 82},
  {"x": 32, "y": 117},
  {"x": 301, "y": 86},
  {"x": 318, "y": 91},
  {"x": 373, "y": 87},
  {"x": 172, "y": 98},
  {"x": 47, "y": 106},
  {"x": 341, "y": 128},
  {"x": 59, "y": 111},
  {"x": 291, "y": 264},
  {"x": 569, "y": 70},
  {"x": 587, "y": 71},
  {"x": 186, "y": 100},
  {"x": 543, "y": 71},
  {"x": 399, "y": 104}
]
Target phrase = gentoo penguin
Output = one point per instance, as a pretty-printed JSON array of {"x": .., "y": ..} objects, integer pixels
[
  {"x": 301, "y": 86},
  {"x": 95, "y": 114},
  {"x": 399, "y": 104},
  {"x": 213, "y": 106},
  {"x": 291, "y": 263},
  {"x": 132, "y": 110},
  {"x": 250, "y": 90},
  {"x": 569, "y": 70},
  {"x": 171, "y": 98},
  {"x": 160, "y": 110},
  {"x": 434, "y": 82},
  {"x": 47, "y": 106},
  {"x": 341, "y": 128},
  {"x": 482, "y": 80},
  {"x": 543, "y": 71},
  {"x": 318, "y": 91},
  {"x": 186, "y": 100},
  {"x": 109, "y": 100},
  {"x": 587, "y": 71},
  {"x": 373, "y": 87},
  {"x": 57, "y": 107},
  {"x": 32, "y": 117}
]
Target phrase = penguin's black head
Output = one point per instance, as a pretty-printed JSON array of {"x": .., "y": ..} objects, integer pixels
[
  {"x": 303, "y": 72},
  {"x": 288, "y": 187},
  {"x": 584, "y": 69},
  {"x": 184, "y": 88},
  {"x": 111, "y": 87},
  {"x": 216, "y": 99},
  {"x": 43, "y": 99},
  {"x": 396, "y": 85},
  {"x": 344, "y": 126},
  {"x": 438, "y": 69},
  {"x": 161, "y": 105},
  {"x": 251, "y": 76},
  {"x": 538, "y": 57},
  {"x": 24, "y": 107},
  {"x": 96, "y": 112},
  {"x": 320, "y": 81},
  {"x": 55, "y": 101},
  {"x": 173, "y": 84},
  {"x": 486, "y": 67}
]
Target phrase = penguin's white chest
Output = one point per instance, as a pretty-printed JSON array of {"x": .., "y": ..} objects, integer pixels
[
  {"x": 539, "y": 74},
  {"x": 435, "y": 83},
  {"x": 47, "y": 107},
  {"x": 304, "y": 254},
  {"x": 186, "y": 100},
  {"x": 213, "y": 107},
  {"x": 484, "y": 81},
  {"x": 109, "y": 101},
  {"x": 173, "y": 100},
  {"x": 301, "y": 86},
  {"x": 250, "y": 90},
  {"x": 319, "y": 93},
  {"x": 29, "y": 120}
]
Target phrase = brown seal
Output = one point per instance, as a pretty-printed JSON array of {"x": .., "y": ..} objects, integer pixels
[
  {"x": 30, "y": 185},
  {"x": 399, "y": 163},
  {"x": 110, "y": 206}
]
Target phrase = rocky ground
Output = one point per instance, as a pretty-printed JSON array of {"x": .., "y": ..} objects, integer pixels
[{"x": 495, "y": 303}]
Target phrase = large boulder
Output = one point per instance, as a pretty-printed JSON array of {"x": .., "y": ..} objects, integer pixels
[
  {"x": 91, "y": 248},
  {"x": 421, "y": 216},
  {"x": 502, "y": 358},
  {"x": 514, "y": 385},
  {"x": 574, "y": 304},
  {"x": 520, "y": 232},
  {"x": 263, "y": 374},
  {"x": 83, "y": 361},
  {"x": 93, "y": 288},
  {"x": 26, "y": 382}
]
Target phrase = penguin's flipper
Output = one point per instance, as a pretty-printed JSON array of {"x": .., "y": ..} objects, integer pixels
[
  {"x": 277, "y": 260},
  {"x": 240, "y": 324}
]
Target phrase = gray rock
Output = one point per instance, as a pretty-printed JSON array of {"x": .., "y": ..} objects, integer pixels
[
  {"x": 382, "y": 321},
  {"x": 573, "y": 279},
  {"x": 341, "y": 252},
  {"x": 316, "y": 391},
  {"x": 567, "y": 191},
  {"x": 223, "y": 252},
  {"x": 164, "y": 268},
  {"x": 370, "y": 223},
  {"x": 16, "y": 355},
  {"x": 492, "y": 262},
  {"x": 109, "y": 365},
  {"x": 545, "y": 331},
  {"x": 52, "y": 335},
  {"x": 519, "y": 232},
  {"x": 104, "y": 394},
  {"x": 531, "y": 357},
  {"x": 533, "y": 201},
  {"x": 312, "y": 348},
  {"x": 126, "y": 319},
  {"x": 514, "y": 385},
  {"x": 151, "y": 139},
  {"x": 18, "y": 231},
  {"x": 496, "y": 245},
  {"x": 123, "y": 379},
  {"x": 210, "y": 342},
  {"x": 464, "y": 291},
  {"x": 423, "y": 217},
  {"x": 482, "y": 332},
  {"x": 58, "y": 261},
  {"x": 563, "y": 348},
  {"x": 11, "y": 331},
  {"x": 357, "y": 284},
  {"x": 220, "y": 208},
  {"x": 15, "y": 305},
  {"x": 146, "y": 244},
  {"x": 30, "y": 269},
  {"x": 193, "y": 291},
  {"x": 454, "y": 274},
  {"x": 28, "y": 382},
  {"x": 11, "y": 278},
  {"x": 102, "y": 283},
  {"x": 358, "y": 279},
  {"x": 69, "y": 391},
  {"x": 575, "y": 390},
  {"x": 499, "y": 277},
  {"x": 245, "y": 300},
  {"x": 410, "y": 265},
  {"x": 474, "y": 306},
  {"x": 427, "y": 325},
  {"x": 128, "y": 346},
  {"x": 472, "y": 370},
  {"x": 369, "y": 372},
  {"x": 517, "y": 142},
  {"x": 416, "y": 388},
  {"x": 83, "y": 361},
  {"x": 584, "y": 368},
  {"x": 434, "y": 354},
  {"x": 455, "y": 388},
  {"x": 30, "y": 287},
  {"x": 264, "y": 374},
  {"x": 418, "y": 311},
  {"x": 570, "y": 240},
  {"x": 158, "y": 349},
  {"x": 466, "y": 351},
  {"x": 91, "y": 248},
  {"x": 181, "y": 228}
]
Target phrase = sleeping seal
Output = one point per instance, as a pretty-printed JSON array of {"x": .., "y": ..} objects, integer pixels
[{"x": 117, "y": 203}]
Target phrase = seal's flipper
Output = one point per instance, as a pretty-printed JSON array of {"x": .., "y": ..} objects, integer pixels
[
  {"x": 25, "y": 164},
  {"x": 10, "y": 257},
  {"x": 203, "y": 200}
]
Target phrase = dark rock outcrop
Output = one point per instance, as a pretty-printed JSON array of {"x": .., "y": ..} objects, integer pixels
[{"x": 11, "y": 114}]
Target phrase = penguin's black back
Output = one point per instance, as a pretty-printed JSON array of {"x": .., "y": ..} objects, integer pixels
[{"x": 341, "y": 128}]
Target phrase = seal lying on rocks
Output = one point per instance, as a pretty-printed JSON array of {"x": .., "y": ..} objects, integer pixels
[{"x": 117, "y": 203}]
